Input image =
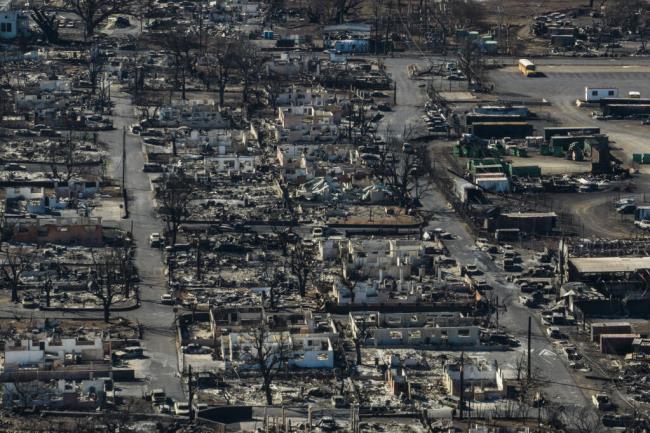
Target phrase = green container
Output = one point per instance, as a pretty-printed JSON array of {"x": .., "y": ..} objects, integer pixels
[
  {"x": 646, "y": 158},
  {"x": 544, "y": 150},
  {"x": 524, "y": 170},
  {"x": 638, "y": 158},
  {"x": 558, "y": 151}
]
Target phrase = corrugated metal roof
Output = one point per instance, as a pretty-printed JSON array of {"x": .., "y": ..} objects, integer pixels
[{"x": 589, "y": 265}]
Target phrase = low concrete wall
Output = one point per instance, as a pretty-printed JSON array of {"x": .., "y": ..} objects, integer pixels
[{"x": 119, "y": 375}]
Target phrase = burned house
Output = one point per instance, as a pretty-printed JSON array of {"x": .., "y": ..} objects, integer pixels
[{"x": 414, "y": 329}]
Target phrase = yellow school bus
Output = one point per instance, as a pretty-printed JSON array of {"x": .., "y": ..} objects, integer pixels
[{"x": 527, "y": 68}]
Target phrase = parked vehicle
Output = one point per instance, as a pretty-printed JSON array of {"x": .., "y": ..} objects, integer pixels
[
  {"x": 167, "y": 299},
  {"x": 194, "y": 348},
  {"x": 642, "y": 224},
  {"x": 181, "y": 408},
  {"x": 626, "y": 209},
  {"x": 158, "y": 396},
  {"x": 155, "y": 240},
  {"x": 602, "y": 402},
  {"x": 29, "y": 303},
  {"x": 151, "y": 167},
  {"x": 554, "y": 332},
  {"x": 198, "y": 407},
  {"x": 131, "y": 352},
  {"x": 338, "y": 401}
]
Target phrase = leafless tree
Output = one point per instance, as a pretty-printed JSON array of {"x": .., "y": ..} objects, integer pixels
[
  {"x": 220, "y": 63},
  {"x": 127, "y": 269},
  {"x": 404, "y": 168},
  {"x": 143, "y": 9},
  {"x": 302, "y": 262},
  {"x": 95, "y": 64},
  {"x": 269, "y": 352},
  {"x": 471, "y": 63},
  {"x": 528, "y": 386},
  {"x": 359, "y": 338},
  {"x": 182, "y": 43},
  {"x": 47, "y": 22},
  {"x": 107, "y": 280},
  {"x": 582, "y": 420},
  {"x": 447, "y": 15},
  {"x": 14, "y": 261},
  {"x": 250, "y": 66},
  {"x": 624, "y": 13},
  {"x": 333, "y": 10},
  {"x": 93, "y": 12},
  {"x": 274, "y": 89},
  {"x": 65, "y": 158},
  {"x": 284, "y": 236},
  {"x": 174, "y": 197},
  {"x": 25, "y": 394}
]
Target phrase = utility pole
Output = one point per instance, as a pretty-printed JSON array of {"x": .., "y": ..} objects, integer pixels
[
  {"x": 123, "y": 161},
  {"x": 497, "y": 314},
  {"x": 462, "y": 384},
  {"x": 529, "y": 333}
]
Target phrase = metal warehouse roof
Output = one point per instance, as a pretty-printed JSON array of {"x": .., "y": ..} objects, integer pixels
[
  {"x": 530, "y": 215},
  {"x": 603, "y": 265}
]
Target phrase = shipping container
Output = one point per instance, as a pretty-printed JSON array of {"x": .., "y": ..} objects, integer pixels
[
  {"x": 624, "y": 101},
  {"x": 617, "y": 344},
  {"x": 645, "y": 159},
  {"x": 506, "y": 235},
  {"x": 642, "y": 213},
  {"x": 627, "y": 109},
  {"x": 473, "y": 118},
  {"x": 525, "y": 170},
  {"x": 502, "y": 129},
  {"x": 572, "y": 130},
  {"x": 597, "y": 329}
]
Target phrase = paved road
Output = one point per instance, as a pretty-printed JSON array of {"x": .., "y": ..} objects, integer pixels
[
  {"x": 158, "y": 320},
  {"x": 462, "y": 248}
]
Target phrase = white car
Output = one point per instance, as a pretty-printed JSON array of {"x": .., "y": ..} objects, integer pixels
[
  {"x": 167, "y": 299},
  {"x": 181, "y": 408},
  {"x": 642, "y": 224},
  {"x": 154, "y": 240}
]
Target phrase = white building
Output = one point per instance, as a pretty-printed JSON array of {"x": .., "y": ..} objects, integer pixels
[
  {"x": 377, "y": 258},
  {"x": 594, "y": 94},
  {"x": 299, "y": 350},
  {"x": 305, "y": 123},
  {"x": 229, "y": 163},
  {"x": 60, "y": 394},
  {"x": 414, "y": 329},
  {"x": 13, "y": 22},
  {"x": 29, "y": 352},
  {"x": 299, "y": 96},
  {"x": 194, "y": 114}
]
